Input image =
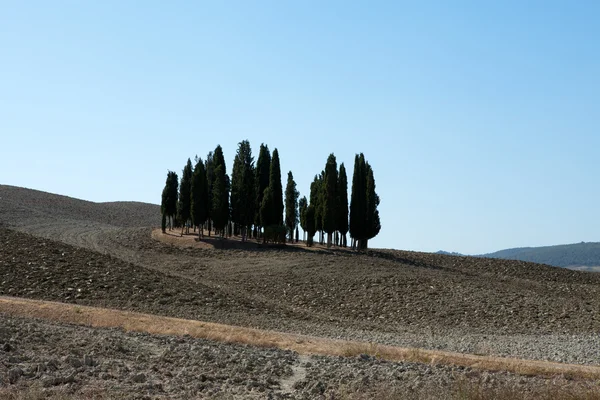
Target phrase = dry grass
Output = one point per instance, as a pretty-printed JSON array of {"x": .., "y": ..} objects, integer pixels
[{"x": 130, "y": 321}]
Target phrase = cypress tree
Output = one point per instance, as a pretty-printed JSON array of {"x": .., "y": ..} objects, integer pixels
[
  {"x": 315, "y": 201},
  {"x": 220, "y": 208},
  {"x": 209, "y": 166},
  {"x": 276, "y": 188},
  {"x": 223, "y": 203},
  {"x": 163, "y": 205},
  {"x": 342, "y": 206},
  {"x": 291, "y": 205},
  {"x": 310, "y": 224},
  {"x": 242, "y": 188},
  {"x": 185, "y": 191},
  {"x": 261, "y": 180},
  {"x": 199, "y": 202},
  {"x": 373, "y": 223},
  {"x": 302, "y": 206},
  {"x": 358, "y": 202},
  {"x": 236, "y": 189},
  {"x": 168, "y": 203},
  {"x": 267, "y": 210},
  {"x": 329, "y": 198}
]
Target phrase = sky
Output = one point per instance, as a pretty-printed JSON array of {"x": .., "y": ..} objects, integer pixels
[{"x": 480, "y": 119}]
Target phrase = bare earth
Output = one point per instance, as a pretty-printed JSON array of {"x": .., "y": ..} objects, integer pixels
[{"x": 107, "y": 255}]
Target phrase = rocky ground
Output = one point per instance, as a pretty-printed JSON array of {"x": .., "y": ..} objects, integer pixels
[
  {"x": 63, "y": 249},
  {"x": 48, "y": 358}
]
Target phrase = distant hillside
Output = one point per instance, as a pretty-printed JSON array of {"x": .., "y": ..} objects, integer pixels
[
  {"x": 18, "y": 205},
  {"x": 576, "y": 256}
]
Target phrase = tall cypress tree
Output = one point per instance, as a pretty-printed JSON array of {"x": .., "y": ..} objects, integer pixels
[
  {"x": 315, "y": 201},
  {"x": 373, "y": 223},
  {"x": 291, "y": 205},
  {"x": 342, "y": 205},
  {"x": 223, "y": 196},
  {"x": 209, "y": 166},
  {"x": 267, "y": 210},
  {"x": 261, "y": 180},
  {"x": 169, "y": 197},
  {"x": 163, "y": 206},
  {"x": 329, "y": 198},
  {"x": 199, "y": 202},
  {"x": 242, "y": 188},
  {"x": 358, "y": 202},
  {"x": 276, "y": 188},
  {"x": 185, "y": 192},
  {"x": 310, "y": 224},
  {"x": 302, "y": 206},
  {"x": 220, "y": 208}
]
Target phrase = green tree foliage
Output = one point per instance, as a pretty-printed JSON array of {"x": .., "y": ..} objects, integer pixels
[
  {"x": 242, "y": 188},
  {"x": 302, "y": 206},
  {"x": 373, "y": 223},
  {"x": 329, "y": 212},
  {"x": 163, "y": 222},
  {"x": 291, "y": 205},
  {"x": 220, "y": 203},
  {"x": 342, "y": 205},
  {"x": 310, "y": 224},
  {"x": 261, "y": 179},
  {"x": 185, "y": 192},
  {"x": 222, "y": 198},
  {"x": 364, "y": 215},
  {"x": 358, "y": 201},
  {"x": 209, "y": 166},
  {"x": 199, "y": 201},
  {"x": 168, "y": 203},
  {"x": 267, "y": 215},
  {"x": 276, "y": 188},
  {"x": 316, "y": 200}
]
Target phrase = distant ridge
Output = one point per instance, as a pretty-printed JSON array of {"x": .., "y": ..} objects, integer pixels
[{"x": 582, "y": 256}]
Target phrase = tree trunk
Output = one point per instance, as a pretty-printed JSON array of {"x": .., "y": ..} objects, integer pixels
[{"x": 329, "y": 239}]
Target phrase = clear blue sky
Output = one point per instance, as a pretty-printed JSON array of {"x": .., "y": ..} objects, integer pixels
[{"x": 480, "y": 119}]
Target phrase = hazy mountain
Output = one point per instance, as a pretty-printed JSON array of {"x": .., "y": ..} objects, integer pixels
[{"x": 582, "y": 256}]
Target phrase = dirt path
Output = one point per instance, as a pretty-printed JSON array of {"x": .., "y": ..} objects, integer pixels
[
  {"x": 101, "y": 317},
  {"x": 299, "y": 373}
]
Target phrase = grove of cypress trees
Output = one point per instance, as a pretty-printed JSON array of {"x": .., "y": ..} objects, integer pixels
[
  {"x": 329, "y": 198},
  {"x": 199, "y": 198},
  {"x": 342, "y": 206},
  {"x": 291, "y": 205},
  {"x": 185, "y": 191},
  {"x": 276, "y": 188},
  {"x": 261, "y": 181}
]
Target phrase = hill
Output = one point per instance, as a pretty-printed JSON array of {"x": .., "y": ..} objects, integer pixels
[
  {"x": 578, "y": 255},
  {"x": 57, "y": 248},
  {"x": 20, "y": 206}
]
